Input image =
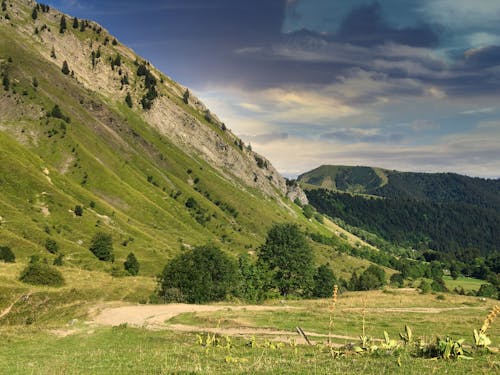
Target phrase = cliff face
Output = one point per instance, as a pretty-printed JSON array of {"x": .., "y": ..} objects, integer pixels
[{"x": 188, "y": 123}]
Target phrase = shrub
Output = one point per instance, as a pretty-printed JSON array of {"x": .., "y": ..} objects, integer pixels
[
  {"x": 39, "y": 273},
  {"x": 308, "y": 211},
  {"x": 51, "y": 246},
  {"x": 424, "y": 287},
  {"x": 102, "y": 247},
  {"x": 200, "y": 275},
  {"x": 397, "y": 279},
  {"x": 7, "y": 255},
  {"x": 78, "y": 210},
  {"x": 59, "y": 260},
  {"x": 131, "y": 265}
]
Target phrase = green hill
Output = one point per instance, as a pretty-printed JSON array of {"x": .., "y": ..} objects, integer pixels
[{"x": 431, "y": 187}]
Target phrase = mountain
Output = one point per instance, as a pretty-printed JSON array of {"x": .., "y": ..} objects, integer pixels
[
  {"x": 93, "y": 138},
  {"x": 441, "y": 211}
]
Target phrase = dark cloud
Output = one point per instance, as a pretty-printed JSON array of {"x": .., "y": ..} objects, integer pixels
[{"x": 365, "y": 26}]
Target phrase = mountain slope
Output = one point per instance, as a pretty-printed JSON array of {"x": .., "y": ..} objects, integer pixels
[{"x": 159, "y": 172}]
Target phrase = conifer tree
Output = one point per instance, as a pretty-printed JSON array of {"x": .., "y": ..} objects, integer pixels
[
  {"x": 62, "y": 26},
  {"x": 34, "y": 14},
  {"x": 128, "y": 100},
  {"x": 65, "y": 68},
  {"x": 75, "y": 23}
]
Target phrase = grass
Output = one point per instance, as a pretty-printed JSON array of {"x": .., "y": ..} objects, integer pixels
[
  {"x": 467, "y": 283},
  {"x": 82, "y": 349}
]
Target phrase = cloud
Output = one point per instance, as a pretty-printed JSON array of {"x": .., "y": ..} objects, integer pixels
[
  {"x": 264, "y": 138},
  {"x": 357, "y": 135},
  {"x": 478, "y": 111}
]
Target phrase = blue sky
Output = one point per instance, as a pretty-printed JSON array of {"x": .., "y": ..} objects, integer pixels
[{"x": 401, "y": 84}]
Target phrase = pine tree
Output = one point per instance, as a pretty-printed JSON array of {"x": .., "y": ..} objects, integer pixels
[
  {"x": 62, "y": 26},
  {"x": 53, "y": 53},
  {"x": 131, "y": 265},
  {"x": 34, "y": 14},
  {"x": 65, "y": 68},
  {"x": 128, "y": 100},
  {"x": 75, "y": 23},
  {"x": 185, "y": 97}
]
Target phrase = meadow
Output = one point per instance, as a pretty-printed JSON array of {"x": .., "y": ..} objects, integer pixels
[{"x": 237, "y": 339}]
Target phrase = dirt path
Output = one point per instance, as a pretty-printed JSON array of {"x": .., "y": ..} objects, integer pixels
[
  {"x": 8, "y": 308},
  {"x": 154, "y": 316}
]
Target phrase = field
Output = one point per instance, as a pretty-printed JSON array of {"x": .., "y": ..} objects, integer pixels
[
  {"x": 161, "y": 339},
  {"x": 467, "y": 283}
]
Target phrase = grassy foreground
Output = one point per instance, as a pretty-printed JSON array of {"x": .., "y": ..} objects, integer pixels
[{"x": 85, "y": 348}]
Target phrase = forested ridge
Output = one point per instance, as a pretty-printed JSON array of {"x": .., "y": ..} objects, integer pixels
[{"x": 445, "y": 227}]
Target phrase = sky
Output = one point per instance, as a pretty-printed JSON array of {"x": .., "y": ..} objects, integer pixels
[{"x": 411, "y": 85}]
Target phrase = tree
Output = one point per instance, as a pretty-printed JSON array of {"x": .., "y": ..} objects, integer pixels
[
  {"x": 200, "y": 275},
  {"x": 102, "y": 246},
  {"x": 308, "y": 211},
  {"x": 6, "y": 82},
  {"x": 34, "y": 14},
  {"x": 75, "y": 23},
  {"x": 371, "y": 278},
  {"x": 128, "y": 100},
  {"x": 287, "y": 253},
  {"x": 7, "y": 255},
  {"x": 65, "y": 68},
  {"x": 62, "y": 25},
  {"x": 53, "y": 53},
  {"x": 397, "y": 279},
  {"x": 324, "y": 279},
  {"x": 185, "y": 97},
  {"x": 131, "y": 265},
  {"x": 51, "y": 245},
  {"x": 255, "y": 280},
  {"x": 78, "y": 210}
]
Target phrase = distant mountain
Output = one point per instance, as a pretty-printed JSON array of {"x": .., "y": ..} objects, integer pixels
[
  {"x": 432, "y": 187},
  {"x": 441, "y": 211}
]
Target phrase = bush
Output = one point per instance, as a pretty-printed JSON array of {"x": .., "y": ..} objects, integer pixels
[
  {"x": 200, "y": 275},
  {"x": 38, "y": 273},
  {"x": 78, "y": 210},
  {"x": 308, "y": 211},
  {"x": 51, "y": 246},
  {"x": 397, "y": 279},
  {"x": 102, "y": 247},
  {"x": 59, "y": 260},
  {"x": 7, "y": 255},
  {"x": 131, "y": 265}
]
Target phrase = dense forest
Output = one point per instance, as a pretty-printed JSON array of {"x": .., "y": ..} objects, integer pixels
[{"x": 445, "y": 227}]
